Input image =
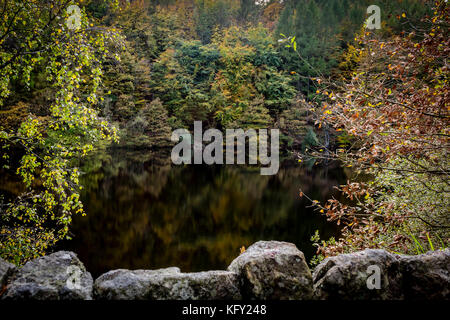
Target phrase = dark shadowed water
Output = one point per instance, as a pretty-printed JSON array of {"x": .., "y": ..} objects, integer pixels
[{"x": 144, "y": 212}]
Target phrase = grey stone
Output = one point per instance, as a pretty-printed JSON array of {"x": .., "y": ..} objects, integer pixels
[
  {"x": 166, "y": 284},
  {"x": 6, "y": 270},
  {"x": 427, "y": 276},
  {"x": 273, "y": 270},
  {"x": 344, "y": 277},
  {"x": 58, "y": 276}
]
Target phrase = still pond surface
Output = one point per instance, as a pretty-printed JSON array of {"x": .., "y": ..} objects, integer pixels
[{"x": 145, "y": 213}]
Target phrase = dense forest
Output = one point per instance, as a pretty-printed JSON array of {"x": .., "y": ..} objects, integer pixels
[{"x": 125, "y": 74}]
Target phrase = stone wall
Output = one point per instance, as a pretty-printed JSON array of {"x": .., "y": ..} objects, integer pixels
[{"x": 266, "y": 270}]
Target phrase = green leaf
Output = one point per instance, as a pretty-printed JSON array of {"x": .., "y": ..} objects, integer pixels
[{"x": 429, "y": 241}]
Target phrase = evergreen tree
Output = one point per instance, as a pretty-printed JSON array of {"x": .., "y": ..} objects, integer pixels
[{"x": 149, "y": 128}]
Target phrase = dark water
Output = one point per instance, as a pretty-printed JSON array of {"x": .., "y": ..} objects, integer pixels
[{"x": 143, "y": 212}]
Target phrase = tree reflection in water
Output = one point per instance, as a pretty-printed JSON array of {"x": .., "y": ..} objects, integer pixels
[{"x": 143, "y": 212}]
